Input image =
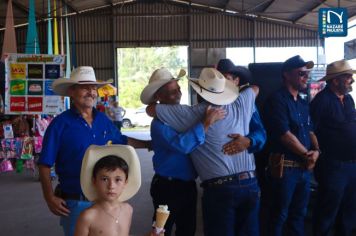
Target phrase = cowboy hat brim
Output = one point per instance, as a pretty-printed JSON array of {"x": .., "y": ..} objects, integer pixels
[
  {"x": 94, "y": 153},
  {"x": 333, "y": 75},
  {"x": 60, "y": 86},
  {"x": 230, "y": 94},
  {"x": 147, "y": 94}
]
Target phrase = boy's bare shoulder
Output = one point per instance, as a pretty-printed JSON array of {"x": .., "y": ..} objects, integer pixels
[
  {"x": 90, "y": 213},
  {"x": 127, "y": 208}
]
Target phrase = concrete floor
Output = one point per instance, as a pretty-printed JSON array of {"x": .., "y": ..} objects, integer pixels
[{"x": 24, "y": 212}]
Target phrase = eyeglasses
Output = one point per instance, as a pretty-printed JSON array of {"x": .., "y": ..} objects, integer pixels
[{"x": 303, "y": 73}]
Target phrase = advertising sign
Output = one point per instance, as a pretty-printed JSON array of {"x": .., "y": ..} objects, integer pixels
[{"x": 28, "y": 80}]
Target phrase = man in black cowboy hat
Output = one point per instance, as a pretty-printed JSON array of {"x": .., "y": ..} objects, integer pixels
[
  {"x": 334, "y": 115},
  {"x": 294, "y": 149},
  {"x": 256, "y": 138}
]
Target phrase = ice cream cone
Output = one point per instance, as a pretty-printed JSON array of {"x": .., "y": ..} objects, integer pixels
[{"x": 162, "y": 215}]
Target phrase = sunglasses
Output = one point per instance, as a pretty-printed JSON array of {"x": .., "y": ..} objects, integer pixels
[{"x": 303, "y": 73}]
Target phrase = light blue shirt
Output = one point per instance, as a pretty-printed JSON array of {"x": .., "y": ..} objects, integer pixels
[
  {"x": 208, "y": 158},
  {"x": 171, "y": 150}
]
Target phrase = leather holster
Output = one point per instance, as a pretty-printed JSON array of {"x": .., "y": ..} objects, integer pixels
[{"x": 275, "y": 163}]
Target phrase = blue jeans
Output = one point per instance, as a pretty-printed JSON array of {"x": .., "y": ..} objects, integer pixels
[
  {"x": 289, "y": 200},
  {"x": 336, "y": 194},
  {"x": 68, "y": 222},
  {"x": 231, "y": 209}
]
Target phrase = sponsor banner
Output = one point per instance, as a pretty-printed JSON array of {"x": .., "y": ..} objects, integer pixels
[
  {"x": 28, "y": 83},
  {"x": 54, "y": 104},
  {"x": 48, "y": 88},
  {"x": 18, "y": 87},
  {"x": 35, "y": 87},
  {"x": 35, "y": 104},
  {"x": 18, "y": 71},
  {"x": 17, "y": 104},
  {"x": 35, "y": 71},
  {"x": 52, "y": 71}
]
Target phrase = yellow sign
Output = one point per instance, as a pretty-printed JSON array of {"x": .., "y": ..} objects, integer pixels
[
  {"x": 18, "y": 71},
  {"x": 107, "y": 90}
]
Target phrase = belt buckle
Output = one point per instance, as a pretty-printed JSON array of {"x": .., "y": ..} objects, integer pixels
[{"x": 244, "y": 175}]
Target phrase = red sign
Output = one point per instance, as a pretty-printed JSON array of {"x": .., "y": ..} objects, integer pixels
[
  {"x": 17, "y": 104},
  {"x": 35, "y": 104}
]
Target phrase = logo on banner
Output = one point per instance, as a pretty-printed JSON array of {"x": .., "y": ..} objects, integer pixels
[
  {"x": 332, "y": 22},
  {"x": 17, "y": 87},
  {"x": 18, "y": 71},
  {"x": 52, "y": 71},
  {"x": 35, "y": 104},
  {"x": 35, "y": 87},
  {"x": 54, "y": 105},
  {"x": 35, "y": 71},
  {"x": 17, "y": 104},
  {"x": 48, "y": 88}
]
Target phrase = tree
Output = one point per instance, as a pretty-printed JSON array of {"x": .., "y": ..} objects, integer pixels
[{"x": 135, "y": 66}]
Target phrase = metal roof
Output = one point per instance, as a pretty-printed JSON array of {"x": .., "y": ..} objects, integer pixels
[{"x": 300, "y": 12}]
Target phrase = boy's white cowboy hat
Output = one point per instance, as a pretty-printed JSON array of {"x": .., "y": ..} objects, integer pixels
[
  {"x": 94, "y": 153},
  {"x": 80, "y": 75},
  {"x": 158, "y": 78},
  {"x": 214, "y": 88},
  {"x": 337, "y": 68}
]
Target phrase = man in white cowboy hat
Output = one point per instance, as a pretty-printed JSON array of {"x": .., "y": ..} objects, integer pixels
[
  {"x": 231, "y": 194},
  {"x": 67, "y": 138},
  {"x": 294, "y": 149},
  {"x": 334, "y": 116},
  {"x": 174, "y": 181}
]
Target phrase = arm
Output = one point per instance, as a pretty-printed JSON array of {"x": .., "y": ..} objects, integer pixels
[
  {"x": 292, "y": 143},
  {"x": 83, "y": 225},
  {"x": 185, "y": 142},
  {"x": 55, "y": 204},
  {"x": 136, "y": 143},
  {"x": 253, "y": 141}
]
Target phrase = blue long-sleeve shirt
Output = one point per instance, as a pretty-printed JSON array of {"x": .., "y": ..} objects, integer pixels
[
  {"x": 171, "y": 150},
  {"x": 335, "y": 125},
  {"x": 257, "y": 133}
]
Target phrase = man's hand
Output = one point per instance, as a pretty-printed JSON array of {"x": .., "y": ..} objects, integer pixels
[
  {"x": 57, "y": 206},
  {"x": 311, "y": 158},
  {"x": 212, "y": 114},
  {"x": 238, "y": 144}
]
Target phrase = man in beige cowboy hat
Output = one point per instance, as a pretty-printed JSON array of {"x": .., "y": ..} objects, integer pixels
[
  {"x": 334, "y": 116},
  {"x": 174, "y": 181},
  {"x": 67, "y": 138},
  {"x": 231, "y": 194}
]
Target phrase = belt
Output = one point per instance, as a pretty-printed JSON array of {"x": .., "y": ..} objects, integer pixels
[
  {"x": 229, "y": 178},
  {"x": 171, "y": 179},
  {"x": 293, "y": 164}
]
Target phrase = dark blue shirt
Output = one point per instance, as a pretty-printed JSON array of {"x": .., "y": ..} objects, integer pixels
[
  {"x": 172, "y": 149},
  {"x": 335, "y": 125},
  {"x": 66, "y": 140},
  {"x": 257, "y": 133},
  {"x": 283, "y": 114}
]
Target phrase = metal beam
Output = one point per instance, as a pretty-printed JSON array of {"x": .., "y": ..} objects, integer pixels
[
  {"x": 310, "y": 10},
  {"x": 70, "y": 5},
  {"x": 23, "y": 8}
]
